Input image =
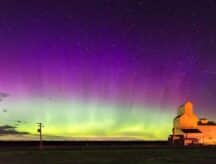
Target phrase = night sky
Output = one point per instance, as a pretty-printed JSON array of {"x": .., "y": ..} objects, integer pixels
[{"x": 104, "y": 69}]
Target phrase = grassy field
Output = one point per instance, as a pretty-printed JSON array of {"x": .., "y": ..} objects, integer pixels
[{"x": 116, "y": 156}]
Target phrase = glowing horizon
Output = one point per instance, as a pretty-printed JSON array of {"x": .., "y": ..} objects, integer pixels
[{"x": 92, "y": 120}]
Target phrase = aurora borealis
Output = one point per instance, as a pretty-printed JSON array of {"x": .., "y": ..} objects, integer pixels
[{"x": 105, "y": 69}]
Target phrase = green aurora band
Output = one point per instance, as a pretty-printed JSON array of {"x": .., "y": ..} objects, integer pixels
[{"x": 64, "y": 119}]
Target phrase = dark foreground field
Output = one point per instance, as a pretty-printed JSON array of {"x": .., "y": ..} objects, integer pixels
[
  {"x": 117, "y": 156},
  {"x": 108, "y": 154}
]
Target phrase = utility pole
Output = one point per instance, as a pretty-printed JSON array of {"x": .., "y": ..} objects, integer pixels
[{"x": 40, "y": 132}]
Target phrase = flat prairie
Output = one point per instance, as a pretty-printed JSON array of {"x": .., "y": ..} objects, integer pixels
[{"x": 160, "y": 155}]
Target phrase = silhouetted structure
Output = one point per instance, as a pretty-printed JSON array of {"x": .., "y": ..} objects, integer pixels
[{"x": 40, "y": 132}]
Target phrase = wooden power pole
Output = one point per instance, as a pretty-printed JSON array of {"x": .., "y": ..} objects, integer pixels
[{"x": 40, "y": 126}]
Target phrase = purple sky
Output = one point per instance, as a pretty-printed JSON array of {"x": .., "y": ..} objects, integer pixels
[{"x": 157, "y": 54}]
